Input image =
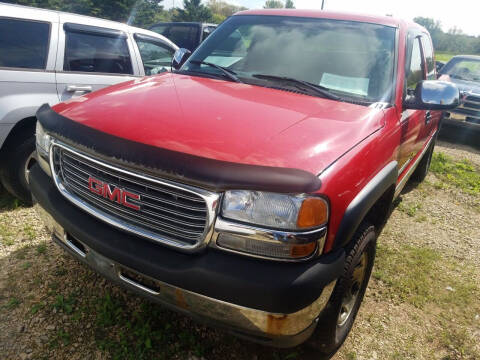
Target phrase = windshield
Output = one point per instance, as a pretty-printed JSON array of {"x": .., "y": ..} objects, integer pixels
[
  {"x": 350, "y": 59},
  {"x": 463, "y": 69}
]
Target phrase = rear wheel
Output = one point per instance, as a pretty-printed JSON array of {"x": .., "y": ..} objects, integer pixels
[
  {"x": 18, "y": 161},
  {"x": 337, "y": 319}
]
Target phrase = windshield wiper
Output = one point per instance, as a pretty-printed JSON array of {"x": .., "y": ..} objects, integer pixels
[
  {"x": 232, "y": 75},
  {"x": 325, "y": 92}
]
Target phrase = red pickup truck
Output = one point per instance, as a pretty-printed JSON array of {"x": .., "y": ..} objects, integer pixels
[{"x": 247, "y": 188}]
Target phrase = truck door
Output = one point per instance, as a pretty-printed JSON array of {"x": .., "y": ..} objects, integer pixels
[
  {"x": 90, "y": 58},
  {"x": 412, "y": 121}
]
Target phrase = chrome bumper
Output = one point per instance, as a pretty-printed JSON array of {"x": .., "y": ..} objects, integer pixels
[{"x": 280, "y": 330}]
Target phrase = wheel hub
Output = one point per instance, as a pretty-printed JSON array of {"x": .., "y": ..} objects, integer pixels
[{"x": 351, "y": 294}]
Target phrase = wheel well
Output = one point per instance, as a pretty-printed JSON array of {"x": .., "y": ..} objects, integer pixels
[
  {"x": 381, "y": 210},
  {"x": 20, "y": 132}
]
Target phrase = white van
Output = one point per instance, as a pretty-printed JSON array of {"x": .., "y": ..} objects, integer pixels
[{"x": 48, "y": 56}]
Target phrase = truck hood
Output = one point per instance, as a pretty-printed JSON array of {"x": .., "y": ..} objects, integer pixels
[
  {"x": 227, "y": 121},
  {"x": 463, "y": 85}
]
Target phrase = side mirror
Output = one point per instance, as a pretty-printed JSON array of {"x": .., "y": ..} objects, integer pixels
[
  {"x": 433, "y": 95},
  {"x": 179, "y": 58}
]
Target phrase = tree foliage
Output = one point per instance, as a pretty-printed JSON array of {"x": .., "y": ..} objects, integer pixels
[
  {"x": 289, "y": 4},
  {"x": 273, "y": 4},
  {"x": 142, "y": 13},
  {"x": 193, "y": 10},
  {"x": 221, "y": 9},
  {"x": 452, "y": 41}
]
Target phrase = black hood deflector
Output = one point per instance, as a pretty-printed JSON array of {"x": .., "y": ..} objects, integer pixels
[{"x": 215, "y": 175}]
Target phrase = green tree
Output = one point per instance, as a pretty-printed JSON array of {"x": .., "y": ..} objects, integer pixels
[
  {"x": 136, "y": 12},
  {"x": 289, "y": 4},
  {"x": 193, "y": 10},
  {"x": 273, "y": 4}
]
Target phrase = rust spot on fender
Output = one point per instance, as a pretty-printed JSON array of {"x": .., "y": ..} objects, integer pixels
[
  {"x": 276, "y": 324},
  {"x": 180, "y": 299}
]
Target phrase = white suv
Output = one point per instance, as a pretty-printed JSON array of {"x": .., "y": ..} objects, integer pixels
[{"x": 49, "y": 56}]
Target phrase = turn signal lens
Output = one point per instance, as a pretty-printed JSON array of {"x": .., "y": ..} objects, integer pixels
[
  {"x": 271, "y": 249},
  {"x": 313, "y": 212}
]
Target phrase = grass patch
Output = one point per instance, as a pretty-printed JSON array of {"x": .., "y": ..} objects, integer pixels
[
  {"x": 61, "y": 337},
  {"x": 42, "y": 248},
  {"x": 409, "y": 209},
  {"x": 29, "y": 232},
  {"x": 421, "y": 276},
  {"x": 12, "y": 303},
  {"x": 443, "y": 56},
  {"x": 407, "y": 273},
  {"x": 36, "y": 308},
  {"x": 65, "y": 304},
  {"x": 461, "y": 174},
  {"x": 6, "y": 235}
]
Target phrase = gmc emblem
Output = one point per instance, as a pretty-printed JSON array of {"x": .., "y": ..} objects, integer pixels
[{"x": 118, "y": 195}]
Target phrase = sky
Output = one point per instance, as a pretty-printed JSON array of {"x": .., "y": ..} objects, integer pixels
[{"x": 463, "y": 14}]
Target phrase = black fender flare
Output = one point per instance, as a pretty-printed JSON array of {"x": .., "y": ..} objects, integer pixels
[{"x": 364, "y": 201}]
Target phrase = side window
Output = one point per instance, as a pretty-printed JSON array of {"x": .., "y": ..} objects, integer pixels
[
  {"x": 207, "y": 30},
  {"x": 23, "y": 44},
  {"x": 156, "y": 57},
  {"x": 185, "y": 36},
  {"x": 415, "y": 70},
  {"x": 428, "y": 51},
  {"x": 96, "y": 53}
]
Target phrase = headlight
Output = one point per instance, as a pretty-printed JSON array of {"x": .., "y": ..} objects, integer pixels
[
  {"x": 270, "y": 225},
  {"x": 43, "y": 147},
  {"x": 276, "y": 211},
  {"x": 43, "y": 141}
]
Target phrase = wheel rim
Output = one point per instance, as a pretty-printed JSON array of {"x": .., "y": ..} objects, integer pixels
[
  {"x": 351, "y": 294},
  {"x": 31, "y": 160}
]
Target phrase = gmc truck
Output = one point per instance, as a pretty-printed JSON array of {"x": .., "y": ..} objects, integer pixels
[{"x": 248, "y": 187}]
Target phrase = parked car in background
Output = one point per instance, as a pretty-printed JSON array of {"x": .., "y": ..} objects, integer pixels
[
  {"x": 49, "y": 56},
  {"x": 247, "y": 188},
  {"x": 463, "y": 123},
  {"x": 186, "y": 35}
]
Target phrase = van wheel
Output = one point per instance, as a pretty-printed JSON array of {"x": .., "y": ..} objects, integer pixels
[
  {"x": 18, "y": 162},
  {"x": 421, "y": 171},
  {"x": 336, "y": 321}
]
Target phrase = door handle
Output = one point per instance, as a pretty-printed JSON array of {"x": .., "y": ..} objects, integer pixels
[
  {"x": 428, "y": 117},
  {"x": 75, "y": 88}
]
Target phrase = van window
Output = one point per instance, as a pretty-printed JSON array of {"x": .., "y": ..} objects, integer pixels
[
  {"x": 156, "y": 57},
  {"x": 23, "y": 44},
  {"x": 86, "y": 52}
]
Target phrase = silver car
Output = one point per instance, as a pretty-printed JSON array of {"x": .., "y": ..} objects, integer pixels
[{"x": 49, "y": 56}]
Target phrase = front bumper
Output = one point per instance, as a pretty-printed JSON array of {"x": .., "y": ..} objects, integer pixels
[{"x": 273, "y": 303}]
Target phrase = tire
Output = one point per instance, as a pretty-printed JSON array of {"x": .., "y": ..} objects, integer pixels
[
  {"x": 14, "y": 174},
  {"x": 336, "y": 321},
  {"x": 421, "y": 171}
]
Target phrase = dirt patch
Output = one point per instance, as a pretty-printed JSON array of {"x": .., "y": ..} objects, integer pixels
[{"x": 422, "y": 301}]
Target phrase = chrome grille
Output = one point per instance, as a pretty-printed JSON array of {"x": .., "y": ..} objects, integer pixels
[
  {"x": 169, "y": 213},
  {"x": 469, "y": 110}
]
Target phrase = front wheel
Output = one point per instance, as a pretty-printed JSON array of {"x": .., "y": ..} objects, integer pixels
[
  {"x": 336, "y": 321},
  {"x": 14, "y": 175}
]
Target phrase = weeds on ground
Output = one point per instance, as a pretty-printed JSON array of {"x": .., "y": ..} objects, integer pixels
[
  {"x": 8, "y": 202},
  {"x": 139, "y": 335},
  {"x": 461, "y": 174}
]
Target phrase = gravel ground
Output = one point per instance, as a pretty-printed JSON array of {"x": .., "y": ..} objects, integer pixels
[{"x": 422, "y": 301}]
